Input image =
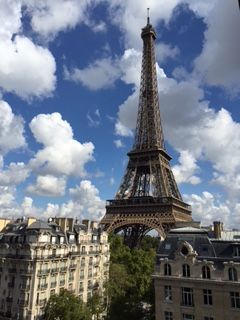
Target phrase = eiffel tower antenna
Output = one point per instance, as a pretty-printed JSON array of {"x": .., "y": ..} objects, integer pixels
[
  {"x": 148, "y": 18},
  {"x": 148, "y": 197}
]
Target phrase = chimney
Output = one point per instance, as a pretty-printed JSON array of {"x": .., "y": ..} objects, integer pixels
[{"x": 218, "y": 228}]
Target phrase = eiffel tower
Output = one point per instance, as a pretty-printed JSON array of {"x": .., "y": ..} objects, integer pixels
[{"x": 148, "y": 197}]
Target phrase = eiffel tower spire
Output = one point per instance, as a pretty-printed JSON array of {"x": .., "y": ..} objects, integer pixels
[
  {"x": 148, "y": 197},
  {"x": 149, "y": 133}
]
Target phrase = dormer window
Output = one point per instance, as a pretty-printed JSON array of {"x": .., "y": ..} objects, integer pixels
[
  {"x": 232, "y": 274},
  {"x": 53, "y": 239},
  {"x": 206, "y": 273},
  {"x": 61, "y": 240},
  {"x": 236, "y": 251},
  {"x": 186, "y": 270},
  {"x": 167, "y": 269}
]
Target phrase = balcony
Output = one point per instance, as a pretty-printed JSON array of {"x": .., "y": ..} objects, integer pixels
[
  {"x": 54, "y": 270},
  {"x": 42, "y": 286},
  {"x": 95, "y": 252},
  {"x": 63, "y": 269},
  {"x": 70, "y": 279},
  {"x": 73, "y": 266},
  {"x": 43, "y": 272}
]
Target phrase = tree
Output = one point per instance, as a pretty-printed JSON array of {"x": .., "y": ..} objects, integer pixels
[
  {"x": 130, "y": 288},
  {"x": 66, "y": 306}
]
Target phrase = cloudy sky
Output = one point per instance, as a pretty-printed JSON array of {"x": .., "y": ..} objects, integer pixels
[{"x": 69, "y": 82}]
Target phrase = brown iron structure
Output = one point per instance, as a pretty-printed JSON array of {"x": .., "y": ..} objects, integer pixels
[{"x": 148, "y": 197}]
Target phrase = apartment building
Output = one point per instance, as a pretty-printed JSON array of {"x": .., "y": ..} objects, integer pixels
[
  {"x": 197, "y": 275},
  {"x": 39, "y": 258}
]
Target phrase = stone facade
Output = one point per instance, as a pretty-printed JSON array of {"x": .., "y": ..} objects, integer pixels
[
  {"x": 40, "y": 258},
  {"x": 197, "y": 276}
]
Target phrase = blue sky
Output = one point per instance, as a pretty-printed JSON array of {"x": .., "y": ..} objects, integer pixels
[{"x": 69, "y": 82}]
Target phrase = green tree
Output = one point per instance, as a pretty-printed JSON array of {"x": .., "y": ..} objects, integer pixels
[
  {"x": 130, "y": 287},
  {"x": 66, "y": 306}
]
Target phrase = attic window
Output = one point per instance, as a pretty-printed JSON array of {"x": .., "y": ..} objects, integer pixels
[{"x": 236, "y": 251}]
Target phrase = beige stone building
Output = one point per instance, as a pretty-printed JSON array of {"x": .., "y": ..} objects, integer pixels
[
  {"x": 198, "y": 275},
  {"x": 40, "y": 258}
]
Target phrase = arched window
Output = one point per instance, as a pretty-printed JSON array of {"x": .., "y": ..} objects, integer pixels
[
  {"x": 232, "y": 274},
  {"x": 185, "y": 270},
  {"x": 206, "y": 273},
  {"x": 167, "y": 269}
]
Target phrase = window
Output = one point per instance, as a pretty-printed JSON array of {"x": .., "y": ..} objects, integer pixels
[
  {"x": 206, "y": 274},
  {"x": 232, "y": 274},
  {"x": 186, "y": 270},
  {"x": 187, "y": 297},
  {"x": 167, "y": 293},
  {"x": 168, "y": 315},
  {"x": 235, "y": 299},
  {"x": 236, "y": 251},
  {"x": 167, "y": 269},
  {"x": 208, "y": 318},
  {"x": 207, "y": 296},
  {"x": 186, "y": 316}
]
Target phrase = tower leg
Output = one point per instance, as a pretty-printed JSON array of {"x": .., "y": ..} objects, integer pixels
[{"x": 134, "y": 234}]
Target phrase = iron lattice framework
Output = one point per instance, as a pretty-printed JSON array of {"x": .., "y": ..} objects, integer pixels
[{"x": 148, "y": 197}]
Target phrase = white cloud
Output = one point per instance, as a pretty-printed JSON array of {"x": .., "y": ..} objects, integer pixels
[
  {"x": 11, "y": 129},
  {"x": 219, "y": 61},
  {"x": 15, "y": 173},
  {"x": 184, "y": 171},
  {"x": 118, "y": 143},
  {"x": 48, "y": 186},
  {"x": 61, "y": 154},
  {"x": 94, "y": 119},
  {"x": 84, "y": 203},
  {"x": 10, "y": 17},
  {"x": 26, "y": 69},
  {"x": 208, "y": 208},
  {"x": 48, "y": 17},
  {"x": 101, "y": 74},
  {"x": 130, "y": 16},
  {"x": 165, "y": 51},
  {"x": 6, "y": 197}
]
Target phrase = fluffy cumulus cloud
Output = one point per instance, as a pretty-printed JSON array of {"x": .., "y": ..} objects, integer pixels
[
  {"x": 14, "y": 174},
  {"x": 101, "y": 74},
  {"x": 84, "y": 203},
  {"x": 49, "y": 17},
  {"x": 48, "y": 185},
  {"x": 11, "y": 129},
  {"x": 122, "y": 12},
  {"x": 208, "y": 208},
  {"x": 26, "y": 69},
  {"x": 184, "y": 171},
  {"x": 219, "y": 61},
  {"x": 61, "y": 153}
]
